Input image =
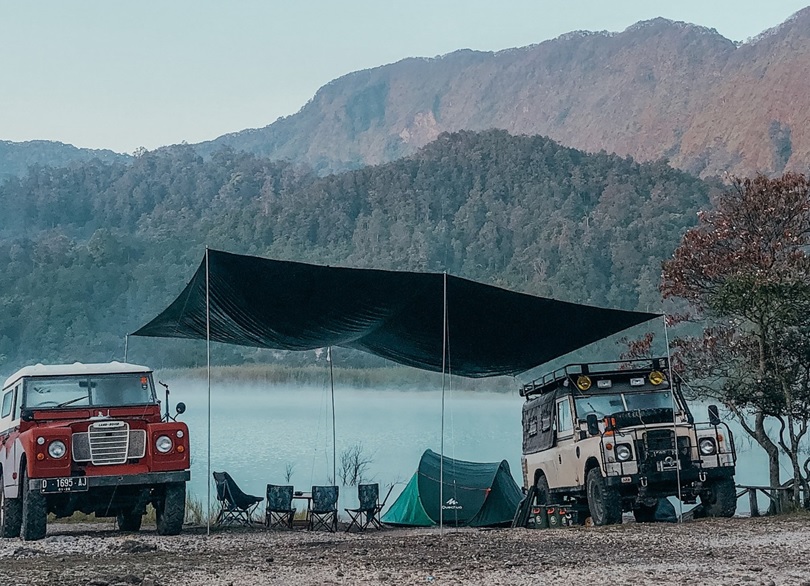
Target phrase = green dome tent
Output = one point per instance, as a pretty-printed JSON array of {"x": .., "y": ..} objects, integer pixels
[{"x": 477, "y": 494}]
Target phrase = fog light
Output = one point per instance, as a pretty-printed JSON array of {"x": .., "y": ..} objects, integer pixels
[
  {"x": 656, "y": 377},
  {"x": 41, "y": 441},
  {"x": 180, "y": 433}
]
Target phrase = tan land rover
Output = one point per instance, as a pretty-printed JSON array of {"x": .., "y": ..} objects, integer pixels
[{"x": 610, "y": 437}]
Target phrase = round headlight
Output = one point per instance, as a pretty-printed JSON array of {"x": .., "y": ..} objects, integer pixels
[
  {"x": 57, "y": 449},
  {"x": 164, "y": 444},
  {"x": 707, "y": 447},
  {"x": 623, "y": 452},
  {"x": 584, "y": 383}
]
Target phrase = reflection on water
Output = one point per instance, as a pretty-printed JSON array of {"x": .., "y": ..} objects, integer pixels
[{"x": 257, "y": 432}]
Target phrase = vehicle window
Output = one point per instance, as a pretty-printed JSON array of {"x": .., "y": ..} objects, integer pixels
[
  {"x": 56, "y": 392},
  {"x": 8, "y": 402},
  {"x": 564, "y": 423},
  {"x": 17, "y": 401},
  {"x": 115, "y": 390},
  {"x": 121, "y": 390},
  {"x": 608, "y": 404}
]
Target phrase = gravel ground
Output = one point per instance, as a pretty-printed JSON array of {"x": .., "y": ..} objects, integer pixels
[{"x": 764, "y": 551}]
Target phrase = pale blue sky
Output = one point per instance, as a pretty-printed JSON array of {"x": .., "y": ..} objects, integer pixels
[{"x": 119, "y": 75}]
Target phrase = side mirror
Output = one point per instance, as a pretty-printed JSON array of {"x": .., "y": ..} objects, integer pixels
[
  {"x": 714, "y": 415},
  {"x": 593, "y": 424},
  {"x": 181, "y": 408}
]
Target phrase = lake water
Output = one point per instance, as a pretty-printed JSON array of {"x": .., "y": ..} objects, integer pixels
[{"x": 258, "y": 431}]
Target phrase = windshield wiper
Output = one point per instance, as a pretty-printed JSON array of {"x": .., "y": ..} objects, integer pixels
[{"x": 66, "y": 403}]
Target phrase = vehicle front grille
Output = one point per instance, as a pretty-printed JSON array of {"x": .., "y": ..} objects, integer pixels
[
  {"x": 660, "y": 440},
  {"x": 109, "y": 442}
]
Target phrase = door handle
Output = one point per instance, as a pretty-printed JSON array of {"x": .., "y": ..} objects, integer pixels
[{"x": 559, "y": 457}]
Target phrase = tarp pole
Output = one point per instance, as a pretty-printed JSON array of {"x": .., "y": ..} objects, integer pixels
[
  {"x": 208, "y": 360},
  {"x": 674, "y": 421},
  {"x": 334, "y": 435},
  {"x": 126, "y": 347},
  {"x": 444, "y": 376}
]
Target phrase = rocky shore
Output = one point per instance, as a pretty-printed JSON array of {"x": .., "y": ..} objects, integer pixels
[{"x": 739, "y": 551}]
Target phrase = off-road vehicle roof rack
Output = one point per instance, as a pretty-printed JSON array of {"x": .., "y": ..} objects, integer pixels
[{"x": 555, "y": 378}]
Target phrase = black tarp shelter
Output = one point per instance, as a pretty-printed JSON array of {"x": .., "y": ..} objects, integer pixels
[
  {"x": 407, "y": 317},
  {"x": 431, "y": 321},
  {"x": 478, "y": 494}
]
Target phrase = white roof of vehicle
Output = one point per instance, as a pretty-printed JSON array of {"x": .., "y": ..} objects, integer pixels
[{"x": 77, "y": 368}]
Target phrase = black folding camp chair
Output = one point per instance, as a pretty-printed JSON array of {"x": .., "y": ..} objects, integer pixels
[
  {"x": 236, "y": 507},
  {"x": 367, "y": 513},
  {"x": 279, "y": 512},
  {"x": 324, "y": 508}
]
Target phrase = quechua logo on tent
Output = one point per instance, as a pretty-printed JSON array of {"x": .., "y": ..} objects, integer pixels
[{"x": 452, "y": 504}]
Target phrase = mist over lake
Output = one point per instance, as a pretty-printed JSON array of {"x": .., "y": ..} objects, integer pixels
[{"x": 257, "y": 430}]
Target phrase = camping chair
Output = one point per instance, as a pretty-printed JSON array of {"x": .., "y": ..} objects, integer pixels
[
  {"x": 236, "y": 507},
  {"x": 372, "y": 514},
  {"x": 367, "y": 513},
  {"x": 279, "y": 512},
  {"x": 324, "y": 508}
]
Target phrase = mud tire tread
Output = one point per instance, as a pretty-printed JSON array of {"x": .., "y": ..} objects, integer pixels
[
  {"x": 11, "y": 523},
  {"x": 170, "y": 509},
  {"x": 34, "y": 511},
  {"x": 130, "y": 522},
  {"x": 599, "y": 493},
  {"x": 723, "y": 499}
]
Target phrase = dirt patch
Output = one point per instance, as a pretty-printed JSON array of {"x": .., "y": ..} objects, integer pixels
[{"x": 765, "y": 551}]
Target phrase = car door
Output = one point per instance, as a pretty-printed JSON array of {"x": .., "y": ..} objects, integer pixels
[{"x": 566, "y": 462}]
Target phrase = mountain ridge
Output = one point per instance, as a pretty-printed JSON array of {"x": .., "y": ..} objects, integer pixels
[{"x": 658, "y": 89}]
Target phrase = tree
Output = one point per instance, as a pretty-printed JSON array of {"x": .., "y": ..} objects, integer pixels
[{"x": 745, "y": 270}]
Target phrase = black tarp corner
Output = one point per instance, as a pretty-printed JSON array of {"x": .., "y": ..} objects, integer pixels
[{"x": 397, "y": 315}]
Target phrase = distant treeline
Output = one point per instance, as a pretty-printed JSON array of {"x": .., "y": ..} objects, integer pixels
[{"x": 92, "y": 251}]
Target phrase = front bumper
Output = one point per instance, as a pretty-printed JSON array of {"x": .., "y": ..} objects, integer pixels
[
  {"x": 661, "y": 480},
  {"x": 147, "y": 479}
]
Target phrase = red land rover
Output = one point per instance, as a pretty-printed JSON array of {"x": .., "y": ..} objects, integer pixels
[{"x": 90, "y": 438}]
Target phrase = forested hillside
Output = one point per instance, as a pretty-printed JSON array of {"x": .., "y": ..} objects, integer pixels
[
  {"x": 93, "y": 251},
  {"x": 17, "y": 157}
]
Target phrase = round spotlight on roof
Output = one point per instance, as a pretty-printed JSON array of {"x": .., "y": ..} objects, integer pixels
[
  {"x": 584, "y": 383},
  {"x": 657, "y": 377}
]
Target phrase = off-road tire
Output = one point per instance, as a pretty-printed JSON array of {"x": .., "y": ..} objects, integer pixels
[
  {"x": 130, "y": 521},
  {"x": 170, "y": 509},
  {"x": 604, "y": 501},
  {"x": 721, "y": 500},
  {"x": 10, "y": 514},
  {"x": 34, "y": 511},
  {"x": 645, "y": 514},
  {"x": 542, "y": 495}
]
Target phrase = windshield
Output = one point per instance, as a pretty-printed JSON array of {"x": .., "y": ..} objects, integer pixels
[
  {"x": 603, "y": 405},
  {"x": 106, "y": 390}
]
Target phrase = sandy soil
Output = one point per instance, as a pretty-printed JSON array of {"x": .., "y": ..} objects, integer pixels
[{"x": 769, "y": 551}]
